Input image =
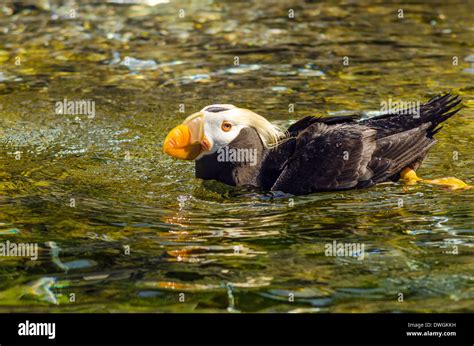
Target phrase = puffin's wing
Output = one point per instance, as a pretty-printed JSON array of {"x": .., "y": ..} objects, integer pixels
[
  {"x": 277, "y": 158},
  {"x": 400, "y": 150},
  {"x": 345, "y": 156},
  {"x": 328, "y": 157}
]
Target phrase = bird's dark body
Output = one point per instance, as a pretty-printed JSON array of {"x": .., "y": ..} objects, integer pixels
[{"x": 336, "y": 153}]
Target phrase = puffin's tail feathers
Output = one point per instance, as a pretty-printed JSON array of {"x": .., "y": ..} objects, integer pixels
[
  {"x": 440, "y": 109},
  {"x": 435, "y": 111}
]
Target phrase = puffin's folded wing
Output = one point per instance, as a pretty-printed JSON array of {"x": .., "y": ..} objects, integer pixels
[
  {"x": 400, "y": 150},
  {"x": 328, "y": 157}
]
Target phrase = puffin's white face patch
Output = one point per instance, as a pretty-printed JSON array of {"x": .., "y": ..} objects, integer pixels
[
  {"x": 213, "y": 131},
  {"x": 239, "y": 118}
]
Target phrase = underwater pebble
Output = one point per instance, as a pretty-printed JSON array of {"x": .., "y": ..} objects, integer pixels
[{"x": 241, "y": 69}]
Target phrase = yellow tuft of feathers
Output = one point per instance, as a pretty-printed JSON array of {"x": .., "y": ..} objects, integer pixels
[{"x": 270, "y": 134}]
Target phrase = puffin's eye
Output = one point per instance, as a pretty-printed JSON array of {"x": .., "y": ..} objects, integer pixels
[{"x": 226, "y": 126}]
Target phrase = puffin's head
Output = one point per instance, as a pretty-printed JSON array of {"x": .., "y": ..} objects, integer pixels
[{"x": 215, "y": 127}]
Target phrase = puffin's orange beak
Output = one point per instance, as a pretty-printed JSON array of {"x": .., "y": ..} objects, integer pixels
[{"x": 186, "y": 141}]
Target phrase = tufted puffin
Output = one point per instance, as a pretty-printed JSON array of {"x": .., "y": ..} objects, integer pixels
[{"x": 241, "y": 148}]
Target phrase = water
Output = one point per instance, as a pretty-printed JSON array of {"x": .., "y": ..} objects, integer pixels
[{"x": 122, "y": 227}]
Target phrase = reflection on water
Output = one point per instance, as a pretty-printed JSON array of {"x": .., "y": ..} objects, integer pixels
[{"x": 122, "y": 227}]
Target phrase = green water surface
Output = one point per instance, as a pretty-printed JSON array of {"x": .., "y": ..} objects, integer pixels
[{"x": 121, "y": 227}]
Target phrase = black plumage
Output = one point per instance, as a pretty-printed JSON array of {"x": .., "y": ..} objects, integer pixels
[{"x": 335, "y": 153}]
